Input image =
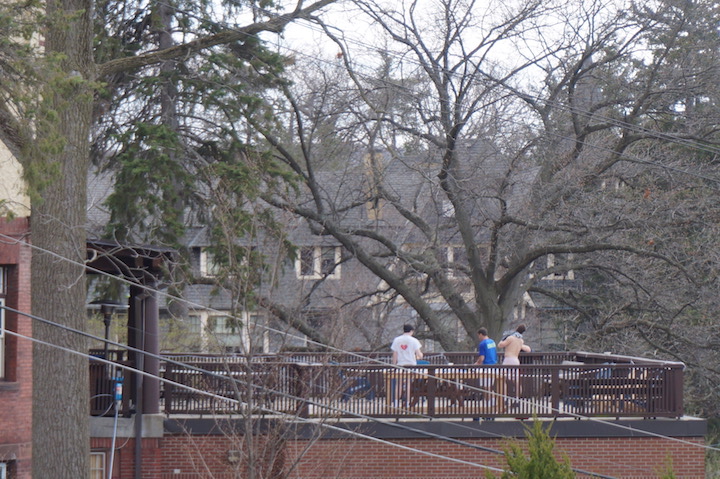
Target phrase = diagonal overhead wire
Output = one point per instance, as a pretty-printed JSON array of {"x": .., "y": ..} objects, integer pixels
[
  {"x": 325, "y": 406},
  {"x": 286, "y": 415},
  {"x": 669, "y": 139}
]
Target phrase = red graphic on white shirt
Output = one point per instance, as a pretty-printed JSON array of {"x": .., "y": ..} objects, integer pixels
[{"x": 404, "y": 346}]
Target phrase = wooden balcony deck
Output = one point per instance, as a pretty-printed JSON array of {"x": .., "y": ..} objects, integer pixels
[{"x": 571, "y": 384}]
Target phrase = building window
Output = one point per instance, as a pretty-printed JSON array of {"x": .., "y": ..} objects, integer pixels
[
  {"x": 374, "y": 209},
  {"x": 459, "y": 262},
  {"x": 247, "y": 333},
  {"x": 3, "y": 323},
  {"x": 97, "y": 465},
  {"x": 258, "y": 334},
  {"x": 2, "y": 339},
  {"x": 209, "y": 268},
  {"x": 223, "y": 325},
  {"x": 316, "y": 262},
  {"x": 225, "y": 332},
  {"x": 557, "y": 276},
  {"x": 194, "y": 325}
]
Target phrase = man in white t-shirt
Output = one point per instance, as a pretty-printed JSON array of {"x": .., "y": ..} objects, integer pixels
[
  {"x": 406, "y": 352},
  {"x": 406, "y": 348}
]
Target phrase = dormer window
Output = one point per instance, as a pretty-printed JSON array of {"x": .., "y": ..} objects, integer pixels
[
  {"x": 612, "y": 183},
  {"x": 209, "y": 268},
  {"x": 316, "y": 262},
  {"x": 557, "y": 276}
]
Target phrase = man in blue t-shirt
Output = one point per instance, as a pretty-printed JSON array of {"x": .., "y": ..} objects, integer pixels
[{"x": 487, "y": 351}]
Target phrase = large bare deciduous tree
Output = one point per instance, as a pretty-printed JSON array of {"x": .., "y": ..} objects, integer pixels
[{"x": 500, "y": 153}]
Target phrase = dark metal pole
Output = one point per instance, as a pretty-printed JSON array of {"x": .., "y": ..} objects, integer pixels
[
  {"x": 107, "y": 312},
  {"x": 137, "y": 310}
]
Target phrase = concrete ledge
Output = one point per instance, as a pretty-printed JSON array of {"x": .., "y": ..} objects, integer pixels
[
  {"x": 390, "y": 429},
  {"x": 152, "y": 426}
]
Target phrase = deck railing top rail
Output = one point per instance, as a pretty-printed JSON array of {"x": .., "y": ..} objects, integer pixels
[
  {"x": 310, "y": 384},
  {"x": 552, "y": 357}
]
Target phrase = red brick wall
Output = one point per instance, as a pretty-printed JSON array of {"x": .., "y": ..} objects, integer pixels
[
  {"x": 124, "y": 460},
  {"x": 627, "y": 458},
  {"x": 184, "y": 457},
  {"x": 16, "y": 387}
]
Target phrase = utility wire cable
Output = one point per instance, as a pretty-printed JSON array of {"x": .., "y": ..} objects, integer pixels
[
  {"x": 280, "y": 413},
  {"x": 573, "y": 109},
  {"x": 595, "y": 115},
  {"x": 370, "y": 360},
  {"x": 321, "y": 406},
  {"x": 295, "y": 417}
]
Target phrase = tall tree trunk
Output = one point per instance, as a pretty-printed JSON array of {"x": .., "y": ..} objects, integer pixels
[{"x": 60, "y": 401}]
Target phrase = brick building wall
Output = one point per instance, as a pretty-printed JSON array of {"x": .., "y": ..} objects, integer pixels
[
  {"x": 16, "y": 386},
  {"x": 124, "y": 459},
  {"x": 613, "y": 452},
  {"x": 628, "y": 458}
]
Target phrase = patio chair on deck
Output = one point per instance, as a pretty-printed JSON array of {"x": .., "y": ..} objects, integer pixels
[{"x": 356, "y": 386}]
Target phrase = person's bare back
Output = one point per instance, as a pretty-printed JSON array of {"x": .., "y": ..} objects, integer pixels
[{"x": 513, "y": 345}]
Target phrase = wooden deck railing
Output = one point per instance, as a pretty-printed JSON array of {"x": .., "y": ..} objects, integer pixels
[{"x": 317, "y": 385}]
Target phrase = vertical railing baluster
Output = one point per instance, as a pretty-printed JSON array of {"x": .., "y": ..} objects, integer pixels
[
  {"x": 431, "y": 391},
  {"x": 169, "y": 388}
]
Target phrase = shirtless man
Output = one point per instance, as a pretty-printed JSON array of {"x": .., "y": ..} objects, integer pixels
[{"x": 513, "y": 344}]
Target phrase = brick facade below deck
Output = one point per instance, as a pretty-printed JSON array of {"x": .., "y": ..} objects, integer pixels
[{"x": 613, "y": 449}]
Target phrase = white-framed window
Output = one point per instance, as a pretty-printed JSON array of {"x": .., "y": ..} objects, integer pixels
[
  {"x": 457, "y": 254},
  {"x": 223, "y": 324},
  {"x": 226, "y": 330},
  {"x": 245, "y": 333},
  {"x": 208, "y": 266},
  {"x": 194, "y": 324},
  {"x": 2, "y": 339},
  {"x": 557, "y": 276},
  {"x": 458, "y": 258},
  {"x": 316, "y": 262},
  {"x": 97, "y": 465},
  {"x": 258, "y": 333}
]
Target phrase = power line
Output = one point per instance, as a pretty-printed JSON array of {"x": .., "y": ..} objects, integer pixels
[
  {"x": 534, "y": 98},
  {"x": 264, "y": 408},
  {"x": 275, "y": 392},
  {"x": 208, "y": 308},
  {"x": 178, "y": 298},
  {"x": 306, "y": 400},
  {"x": 583, "y": 112}
]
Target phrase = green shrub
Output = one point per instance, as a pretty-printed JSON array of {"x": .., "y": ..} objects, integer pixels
[{"x": 540, "y": 463}]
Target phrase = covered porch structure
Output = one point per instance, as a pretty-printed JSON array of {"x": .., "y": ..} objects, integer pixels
[{"x": 143, "y": 268}]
